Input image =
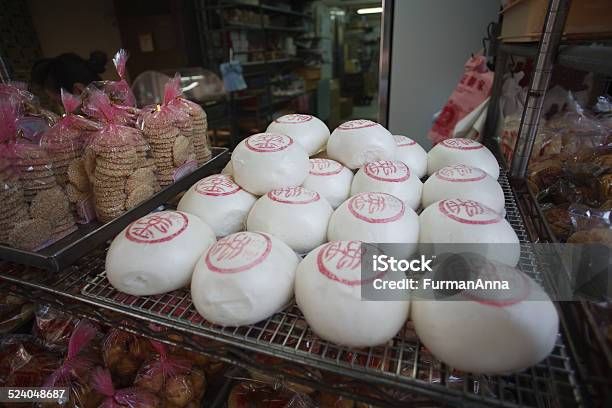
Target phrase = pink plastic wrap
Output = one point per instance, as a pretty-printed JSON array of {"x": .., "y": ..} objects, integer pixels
[
  {"x": 172, "y": 378},
  {"x": 198, "y": 124},
  {"x": 117, "y": 161},
  {"x": 123, "y": 354},
  {"x": 132, "y": 397},
  {"x": 120, "y": 91},
  {"x": 251, "y": 394},
  {"x": 169, "y": 132},
  {"x": 53, "y": 327}
]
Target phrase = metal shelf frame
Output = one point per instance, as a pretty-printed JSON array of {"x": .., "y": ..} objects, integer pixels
[{"x": 399, "y": 373}]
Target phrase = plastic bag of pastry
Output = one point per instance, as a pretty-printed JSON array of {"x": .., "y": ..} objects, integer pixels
[
  {"x": 117, "y": 161},
  {"x": 14, "y": 312},
  {"x": 251, "y": 394},
  {"x": 286, "y": 367},
  {"x": 24, "y": 363},
  {"x": 172, "y": 150},
  {"x": 174, "y": 379},
  {"x": 123, "y": 354},
  {"x": 199, "y": 122},
  {"x": 75, "y": 372},
  {"x": 132, "y": 397},
  {"x": 119, "y": 92},
  {"x": 53, "y": 327}
]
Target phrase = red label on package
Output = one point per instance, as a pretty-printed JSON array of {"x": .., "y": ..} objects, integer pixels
[
  {"x": 387, "y": 170},
  {"x": 293, "y": 195},
  {"x": 294, "y": 118},
  {"x": 357, "y": 124},
  {"x": 268, "y": 142},
  {"x": 324, "y": 167},
  {"x": 157, "y": 227},
  {"x": 460, "y": 173},
  {"x": 238, "y": 252},
  {"x": 468, "y": 212},
  {"x": 217, "y": 185},
  {"x": 462, "y": 144},
  {"x": 185, "y": 169},
  {"x": 338, "y": 259},
  {"x": 403, "y": 141},
  {"x": 376, "y": 208}
]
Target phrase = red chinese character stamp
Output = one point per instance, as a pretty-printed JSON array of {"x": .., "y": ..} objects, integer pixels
[
  {"x": 468, "y": 212},
  {"x": 157, "y": 227},
  {"x": 341, "y": 262},
  {"x": 460, "y": 173},
  {"x": 376, "y": 208},
  {"x": 324, "y": 167},
  {"x": 238, "y": 252},
  {"x": 462, "y": 144},
  {"x": 268, "y": 142},
  {"x": 387, "y": 170},
  {"x": 357, "y": 124},
  {"x": 293, "y": 195},
  {"x": 217, "y": 185},
  {"x": 294, "y": 118}
]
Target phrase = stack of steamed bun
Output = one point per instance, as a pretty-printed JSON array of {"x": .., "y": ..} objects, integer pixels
[{"x": 286, "y": 220}]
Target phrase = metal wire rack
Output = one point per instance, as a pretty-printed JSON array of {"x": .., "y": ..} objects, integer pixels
[{"x": 403, "y": 367}]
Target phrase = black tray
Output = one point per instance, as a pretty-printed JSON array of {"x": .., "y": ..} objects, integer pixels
[{"x": 66, "y": 251}]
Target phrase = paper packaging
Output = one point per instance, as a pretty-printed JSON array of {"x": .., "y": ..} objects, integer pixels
[
  {"x": 156, "y": 253},
  {"x": 515, "y": 328},
  {"x": 219, "y": 202},
  {"x": 330, "y": 179},
  {"x": 357, "y": 142},
  {"x": 392, "y": 177},
  {"x": 266, "y": 161},
  {"x": 328, "y": 292},
  {"x": 458, "y": 221},
  {"x": 464, "y": 182},
  {"x": 295, "y": 215},
  {"x": 462, "y": 151},
  {"x": 243, "y": 278}
]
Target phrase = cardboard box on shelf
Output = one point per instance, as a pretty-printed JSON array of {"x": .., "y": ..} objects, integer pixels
[{"x": 587, "y": 19}]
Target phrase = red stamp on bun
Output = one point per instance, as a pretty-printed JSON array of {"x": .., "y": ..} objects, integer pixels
[
  {"x": 462, "y": 144},
  {"x": 324, "y": 167},
  {"x": 468, "y": 212},
  {"x": 387, "y": 170},
  {"x": 293, "y": 195},
  {"x": 403, "y": 141},
  {"x": 238, "y": 252},
  {"x": 217, "y": 185},
  {"x": 157, "y": 227},
  {"x": 376, "y": 208},
  {"x": 344, "y": 258},
  {"x": 294, "y": 118},
  {"x": 268, "y": 142},
  {"x": 460, "y": 173},
  {"x": 357, "y": 124}
]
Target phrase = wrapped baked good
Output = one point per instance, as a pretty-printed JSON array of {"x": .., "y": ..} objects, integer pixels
[
  {"x": 117, "y": 161},
  {"x": 123, "y": 354},
  {"x": 251, "y": 394},
  {"x": 14, "y": 312},
  {"x": 132, "y": 397},
  {"x": 197, "y": 125},
  {"x": 173, "y": 152},
  {"x": 172, "y": 378},
  {"x": 53, "y": 327},
  {"x": 75, "y": 372}
]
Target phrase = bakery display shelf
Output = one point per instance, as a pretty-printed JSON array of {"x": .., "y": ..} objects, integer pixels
[
  {"x": 400, "y": 371},
  {"x": 89, "y": 236}
]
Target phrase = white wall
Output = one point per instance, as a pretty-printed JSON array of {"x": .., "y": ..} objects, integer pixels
[{"x": 432, "y": 39}]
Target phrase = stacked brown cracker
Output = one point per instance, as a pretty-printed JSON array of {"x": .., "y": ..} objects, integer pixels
[
  {"x": 13, "y": 208},
  {"x": 200, "y": 138},
  {"x": 169, "y": 147}
]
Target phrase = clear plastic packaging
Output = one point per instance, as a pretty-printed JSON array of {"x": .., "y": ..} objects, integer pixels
[
  {"x": 53, "y": 327},
  {"x": 253, "y": 394},
  {"x": 172, "y": 378},
  {"x": 123, "y": 354},
  {"x": 131, "y": 397},
  {"x": 118, "y": 162},
  {"x": 198, "y": 119},
  {"x": 119, "y": 91},
  {"x": 14, "y": 312},
  {"x": 75, "y": 372},
  {"x": 172, "y": 147}
]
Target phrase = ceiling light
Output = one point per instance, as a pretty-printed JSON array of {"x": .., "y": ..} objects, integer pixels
[{"x": 370, "y": 10}]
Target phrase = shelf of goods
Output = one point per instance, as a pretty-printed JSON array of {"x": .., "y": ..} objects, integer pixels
[{"x": 400, "y": 373}]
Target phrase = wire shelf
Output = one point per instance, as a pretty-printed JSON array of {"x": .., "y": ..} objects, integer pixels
[{"x": 403, "y": 364}]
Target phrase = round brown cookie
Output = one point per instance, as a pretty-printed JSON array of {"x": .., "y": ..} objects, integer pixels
[
  {"x": 138, "y": 195},
  {"x": 51, "y": 204},
  {"x": 103, "y": 172},
  {"x": 39, "y": 184},
  {"x": 110, "y": 200},
  {"x": 160, "y": 136},
  {"x": 110, "y": 214},
  {"x": 142, "y": 176},
  {"x": 89, "y": 163},
  {"x": 30, "y": 234}
]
